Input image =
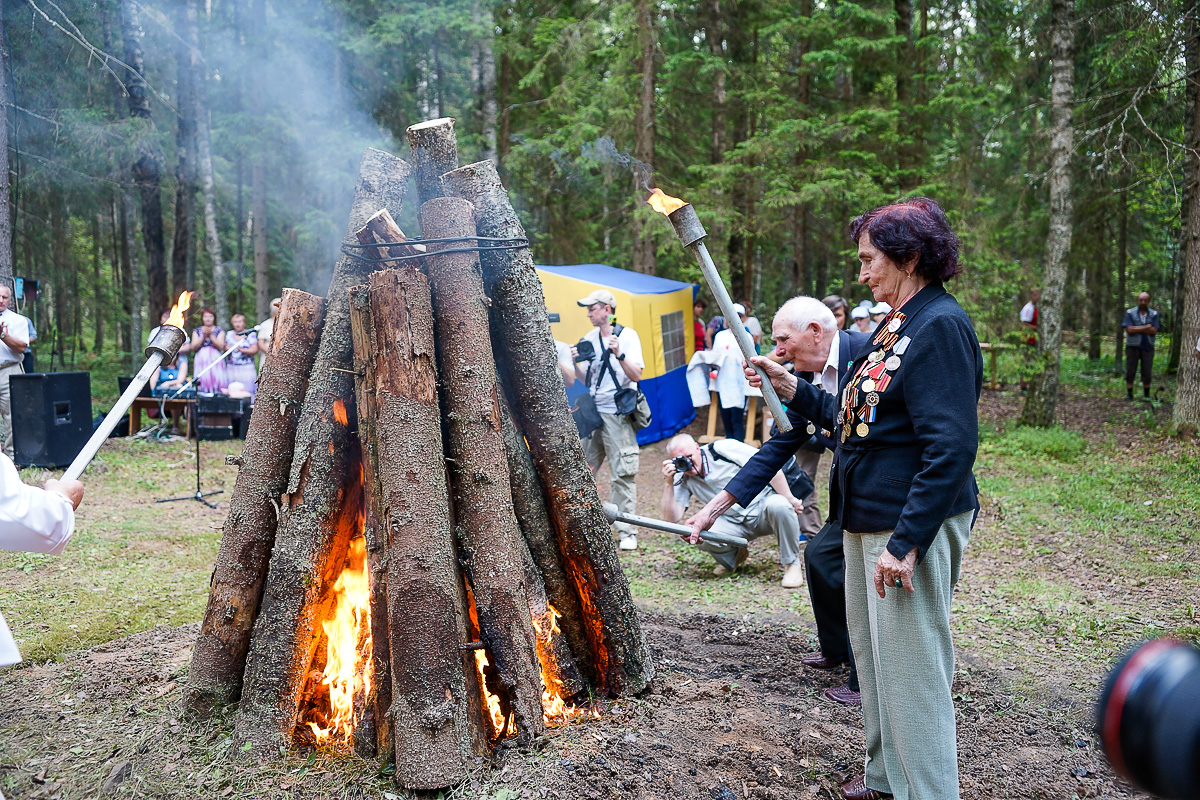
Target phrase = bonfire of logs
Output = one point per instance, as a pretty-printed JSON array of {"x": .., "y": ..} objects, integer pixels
[{"x": 416, "y": 563}]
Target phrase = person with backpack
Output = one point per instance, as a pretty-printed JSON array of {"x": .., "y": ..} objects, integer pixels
[
  {"x": 703, "y": 472},
  {"x": 608, "y": 359}
]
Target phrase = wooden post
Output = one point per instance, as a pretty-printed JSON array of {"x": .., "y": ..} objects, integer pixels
[
  {"x": 219, "y": 657},
  {"x": 714, "y": 411},
  {"x": 434, "y": 151},
  {"x": 437, "y": 729},
  {"x": 751, "y": 421},
  {"x": 619, "y": 650},
  {"x": 485, "y": 526},
  {"x": 309, "y": 553}
]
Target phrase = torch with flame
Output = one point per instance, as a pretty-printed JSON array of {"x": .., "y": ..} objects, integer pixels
[
  {"x": 162, "y": 348},
  {"x": 692, "y": 234}
]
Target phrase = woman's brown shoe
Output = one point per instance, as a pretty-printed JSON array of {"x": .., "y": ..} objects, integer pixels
[{"x": 856, "y": 789}]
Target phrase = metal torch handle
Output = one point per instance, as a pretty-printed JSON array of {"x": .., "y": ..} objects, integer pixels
[
  {"x": 740, "y": 334},
  {"x": 613, "y": 515},
  {"x": 106, "y": 427}
]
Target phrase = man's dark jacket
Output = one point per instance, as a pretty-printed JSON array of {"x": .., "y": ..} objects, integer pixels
[
  {"x": 759, "y": 470},
  {"x": 912, "y": 470}
]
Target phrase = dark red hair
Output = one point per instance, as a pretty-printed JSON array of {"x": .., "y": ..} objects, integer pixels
[
  {"x": 913, "y": 226},
  {"x": 204, "y": 311}
]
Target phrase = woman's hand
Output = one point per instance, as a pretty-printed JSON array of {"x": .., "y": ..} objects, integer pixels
[
  {"x": 783, "y": 381},
  {"x": 891, "y": 572}
]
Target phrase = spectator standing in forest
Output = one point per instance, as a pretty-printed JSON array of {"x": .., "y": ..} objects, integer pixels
[
  {"x": 1029, "y": 319},
  {"x": 698, "y": 323},
  {"x": 616, "y": 363},
  {"x": 840, "y": 308},
  {"x": 241, "y": 362},
  {"x": 14, "y": 339},
  {"x": 862, "y": 319},
  {"x": 1141, "y": 324},
  {"x": 753, "y": 326},
  {"x": 266, "y": 330}
]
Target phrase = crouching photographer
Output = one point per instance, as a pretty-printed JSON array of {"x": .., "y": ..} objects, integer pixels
[
  {"x": 1148, "y": 718},
  {"x": 703, "y": 472}
]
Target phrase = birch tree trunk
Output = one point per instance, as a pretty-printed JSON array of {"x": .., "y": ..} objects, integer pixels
[
  {"x": 643, "y": 139},
  {"x": 1041, "y": 405}
]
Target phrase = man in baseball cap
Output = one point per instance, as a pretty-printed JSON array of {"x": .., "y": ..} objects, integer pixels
[{"x": 615, "y": 363}]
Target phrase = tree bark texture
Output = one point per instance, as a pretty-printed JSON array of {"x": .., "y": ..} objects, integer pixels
[
  {"x": 185, "y": 137},
  {"x": 622, "y": 659},
  {"x": 147, "y": 170},
  {"x": 6, "y": 251},
  {"x": 1186, "y": 412},
  {"x": 1122, "y": 271},
  {"x": 643, "y": 139},
  {"x": 219, "y": 658},
  {"x": 437, "y": 728},
  {"x": 324, "y": 468},
  {"x": 485, "y": 526},
  {"x": 434, "y": 152},
  {"x": 1041, "y": 405},
  {"x": 379, "y": 228},
  {"x": 546, "y": 583}
]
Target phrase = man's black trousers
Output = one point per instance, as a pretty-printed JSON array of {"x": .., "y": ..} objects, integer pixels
[{"x": 825, "y": 568}]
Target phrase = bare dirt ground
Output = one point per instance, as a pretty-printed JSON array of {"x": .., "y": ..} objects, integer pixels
[{"x": 732, "y": 714}]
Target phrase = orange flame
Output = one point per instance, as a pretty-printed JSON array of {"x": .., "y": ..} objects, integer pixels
[
  {"x": 555, "y": 710},
  {"x": 339, "y": 412},
  {"x": 664, "y": 203},
  {"x": 495, "y": 713},
  {"x": 184, "y": 303}
]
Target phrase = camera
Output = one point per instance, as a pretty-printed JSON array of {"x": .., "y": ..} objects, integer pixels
[
  {"x": 682, "y": 464},
  {"x": 1148, "y": 718},
  {"x": 584, "y": 351}
]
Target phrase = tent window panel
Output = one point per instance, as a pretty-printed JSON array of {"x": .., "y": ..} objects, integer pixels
[{"x": 674, "y": 341}]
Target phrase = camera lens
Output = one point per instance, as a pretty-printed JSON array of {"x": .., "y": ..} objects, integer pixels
[{"x": 1148, "y": 718}]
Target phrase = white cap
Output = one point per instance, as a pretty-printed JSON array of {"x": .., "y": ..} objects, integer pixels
[
  {"x": 881, "y": 308},
  {"x": 739, "y": 308},
  {"x": 865, "y": 304},
  {"x": 859, "y": 313},
  {"x": 599, "y": 296}
]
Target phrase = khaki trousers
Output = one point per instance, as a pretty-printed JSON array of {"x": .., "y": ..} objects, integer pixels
[
  {"x": 6, "y": 425},
  {"x": 775, "y": 517},
  {"x": 905, "y": 660},
  {"x": 616, "y": 440}
]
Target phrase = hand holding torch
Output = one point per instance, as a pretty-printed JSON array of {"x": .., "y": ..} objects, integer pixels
[
  {"x": 614, "y": 515},
  {"x": 162, "y": 348},
  {"x": 692, "y": 234}
]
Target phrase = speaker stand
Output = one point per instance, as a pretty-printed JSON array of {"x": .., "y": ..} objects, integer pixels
[{"x": 199, "y": 496}]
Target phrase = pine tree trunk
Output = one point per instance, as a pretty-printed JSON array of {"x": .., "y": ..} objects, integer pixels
[
  {"x": 643, "y": 140},
  {"x": 212, "y": 237},
  {"x": 1041, "y": 405},
  {"x": 437, "y": 725},
  {"x": 324, "y": 474},
  {"x": 6, "y": 244},
  {"x": 219, "y": 658},
  {"x": 1122, "y": 273},
  {"x": 1186, "y": 413},
  {"x": 1096, "y": 286},
  {"x": 185, "y": 136},
  {"x": 618, "y": 644},
  {"x": 485, "y": 526},
  {"x": 137, "y": 283},
  {"x": 258, "y": 209},
  {"x": 147, "y": 170},
  {"x": 100, "y": 307}
]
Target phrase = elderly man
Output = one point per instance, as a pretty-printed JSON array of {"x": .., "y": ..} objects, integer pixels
[
  {"x": 615, "y": 364},
  {"x": 14, "y": 338},
  {"x": 806, "y": 334},
  {"x": 772, "y": 511}
]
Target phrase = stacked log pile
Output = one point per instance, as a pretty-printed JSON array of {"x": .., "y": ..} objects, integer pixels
[{"x": 410, "y": 438}]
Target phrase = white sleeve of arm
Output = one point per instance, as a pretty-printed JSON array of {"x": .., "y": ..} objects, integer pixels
[{"x": 32, "y": 519}]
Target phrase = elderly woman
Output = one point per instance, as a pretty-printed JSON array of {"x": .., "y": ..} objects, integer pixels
[{"x": 907, "y": 430}]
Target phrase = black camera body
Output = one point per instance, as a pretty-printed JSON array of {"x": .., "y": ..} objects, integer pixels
[
  {"x": 1148, "y": 718},
  {"x": 682, "y": 464},
  {"x": 584, "y": 351}
]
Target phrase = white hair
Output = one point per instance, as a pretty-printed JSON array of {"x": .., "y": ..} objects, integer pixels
[
  {"x": 800, "y": 312},
  {"x": 679, "y": 439}
]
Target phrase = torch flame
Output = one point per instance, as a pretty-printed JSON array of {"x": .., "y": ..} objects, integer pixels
[
  {"x": 176, "y": 318},
  {"x": 664, "y": 203}
]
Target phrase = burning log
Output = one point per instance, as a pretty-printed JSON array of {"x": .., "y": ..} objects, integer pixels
[
  {"x": 485, "y": 526},
  {"x": 311, "y": 547},
  {"x": 219, "y": 657},
  {"x": 555, "y": 589},
  {"x": 434, "y": 152},
  {"x": 622, "y": 659},
  {"x": 436, "y": 722}
]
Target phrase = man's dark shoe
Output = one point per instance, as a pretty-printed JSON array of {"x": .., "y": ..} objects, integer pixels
[
  {"x": 856, "y": 789},
  {"x": 844, "y": 695},
  {"x": 819, "y": 661}
]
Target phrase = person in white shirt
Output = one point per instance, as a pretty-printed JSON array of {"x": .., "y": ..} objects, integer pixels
[
  {"x": 862, "y": 320},
  {"x": 33, "y": 520},
  {"x": 14, "y": 338},
  {"x": 753, "y": 326},
  {"x": 616, "y": 363}
]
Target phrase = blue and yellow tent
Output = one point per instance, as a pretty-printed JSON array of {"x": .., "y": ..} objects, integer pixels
[{"x": 660, "y": 310}]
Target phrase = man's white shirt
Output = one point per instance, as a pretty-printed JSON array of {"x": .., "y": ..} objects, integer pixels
[
  {"x": 827, "y": 378},
  {"x": 599, "y": 380},
  {"x": 18, "y": 328}
]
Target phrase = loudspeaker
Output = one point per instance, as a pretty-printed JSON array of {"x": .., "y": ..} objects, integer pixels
[{"x": 52, "y": 417}]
